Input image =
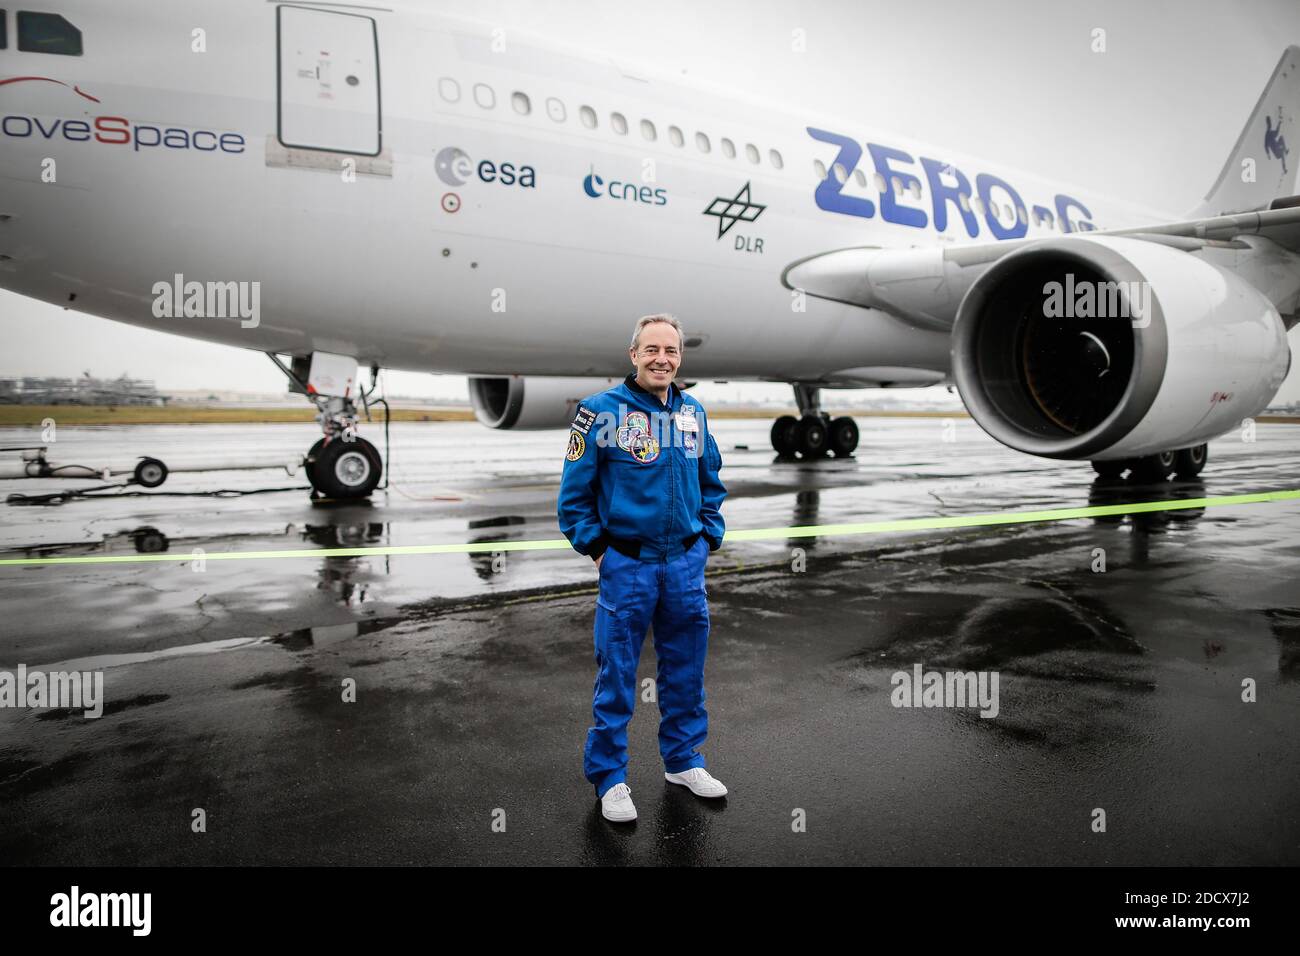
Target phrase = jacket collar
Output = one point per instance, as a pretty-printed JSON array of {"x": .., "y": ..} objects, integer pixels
[{"x": 674, "y": 393}]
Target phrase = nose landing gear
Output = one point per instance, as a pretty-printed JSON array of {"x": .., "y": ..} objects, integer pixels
[{"x": 340, "y": 465}]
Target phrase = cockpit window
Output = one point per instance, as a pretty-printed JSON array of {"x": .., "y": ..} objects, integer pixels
[{"x": 47, "y": 33}]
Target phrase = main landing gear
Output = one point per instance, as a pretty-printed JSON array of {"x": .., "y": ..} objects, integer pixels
[
  {"x": 340, "y": 465},
  {"x": 1186, "y": 464},
  {"x": 814, "y": 434}
]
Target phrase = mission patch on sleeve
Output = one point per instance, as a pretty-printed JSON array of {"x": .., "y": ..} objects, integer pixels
[{"x": 583, "y": 420}]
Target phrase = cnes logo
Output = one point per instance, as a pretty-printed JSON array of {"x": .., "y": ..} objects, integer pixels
[{"x": 103, "y": 909}]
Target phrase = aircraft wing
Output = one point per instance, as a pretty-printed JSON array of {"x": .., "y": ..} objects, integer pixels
[{"x": 924, "y": 287}]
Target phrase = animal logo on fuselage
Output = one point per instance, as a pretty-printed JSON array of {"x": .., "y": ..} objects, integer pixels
[{"x": 1274, "y": 143}]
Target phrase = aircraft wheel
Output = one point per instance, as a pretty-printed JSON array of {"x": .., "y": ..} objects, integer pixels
[
  {"x": 1188, "y": 462},
  {"x": 346, "y": 469},
  {"x": 785, "y": 435},
  {"x": 309, "y": 463},
  {"x": 813, "y": 438},
  {"x": 843, "y": 436},
  {"x": 1110, "y": 469},
  {"x": 1154, "y": 468}
]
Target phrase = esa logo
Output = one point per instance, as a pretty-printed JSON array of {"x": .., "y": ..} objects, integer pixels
[
  {"x": 454, "y": 167},
  {"x": 596, "y": 187}
]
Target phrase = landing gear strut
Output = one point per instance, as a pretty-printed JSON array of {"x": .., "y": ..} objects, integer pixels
[
  {"x": 814, "y": 433},
  {"x": 340, "y": 465}
]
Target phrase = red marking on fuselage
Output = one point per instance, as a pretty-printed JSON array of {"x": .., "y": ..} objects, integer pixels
[{"x": 45, "y": 79}]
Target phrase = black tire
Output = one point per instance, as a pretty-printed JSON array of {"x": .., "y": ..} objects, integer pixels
[
  {"x": 346, "y": 469},
  {"x": 1188, "y": 462},
  {"x": 843, "y": 436},
  {"x": 785, "y": 435},
  {"x": 1110, "y": 469},
  {"x": 149, "y": 540},
  {"x": 309, "y": 463},
  {"x": 1153, "y": 468},
  {"x": 812, "y": 436},
  {"x": 150, "y": 473}
]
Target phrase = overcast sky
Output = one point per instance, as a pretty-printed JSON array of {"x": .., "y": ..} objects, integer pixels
[{"x": 1152, "y": 119}]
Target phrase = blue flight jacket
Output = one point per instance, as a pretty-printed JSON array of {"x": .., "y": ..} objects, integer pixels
[{"x": 638, "y": 477}]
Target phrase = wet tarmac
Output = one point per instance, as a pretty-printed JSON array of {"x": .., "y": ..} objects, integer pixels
[{"x": 224, "y": 680}]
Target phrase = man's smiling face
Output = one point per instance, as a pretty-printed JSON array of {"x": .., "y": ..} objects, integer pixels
[{"x": 657, "y": 357}]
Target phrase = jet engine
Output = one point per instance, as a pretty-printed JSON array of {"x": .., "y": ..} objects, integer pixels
[
  {"x": 1103, "y": 348},
  {"x": 531, "y": 402}
]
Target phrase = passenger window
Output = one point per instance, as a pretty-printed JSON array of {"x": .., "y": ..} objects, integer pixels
[
  {"x": 751, "y": 152},
  {"x": 588, "y": 116},
  {"x": 619, "y": 122},
  {"x": 522, "y": 104},
  {"x": 860, "y": 178},
  {"x": 728, "y": 148},
  {"x": 648, "y": 130},
  {"x": 702, "y": 143},
  {"x": 964, "y": 201},
  {"x": 841, "y": 174},
  {"x": 878, "y": 180},
  {"x": 484, "y": 96},
  {"x": 675, "y": 136},
  {"x": 47, "y": 33},
  {"x": 555, "y": 109},
  {"x": 776, "y": 159},
  {"x": 820, "y": 169},
  {"x": 449, "y": 89}
]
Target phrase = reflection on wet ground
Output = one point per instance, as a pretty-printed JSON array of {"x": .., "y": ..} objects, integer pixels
[{"x": 1121, "y": 642}]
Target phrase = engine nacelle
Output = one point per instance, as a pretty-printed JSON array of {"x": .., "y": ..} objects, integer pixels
[
  {"x": 531, "y": 402},
  {"x": 1184, "y": 351}
]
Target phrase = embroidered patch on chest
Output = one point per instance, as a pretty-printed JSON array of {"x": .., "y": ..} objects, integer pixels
[{"x": 634, "y": 437}]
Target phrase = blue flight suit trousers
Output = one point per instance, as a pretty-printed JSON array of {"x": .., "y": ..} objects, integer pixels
[{"x": 668, "y": 594}]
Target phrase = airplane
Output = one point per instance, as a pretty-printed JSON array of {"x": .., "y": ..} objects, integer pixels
[{"x": 356, "y": 185}]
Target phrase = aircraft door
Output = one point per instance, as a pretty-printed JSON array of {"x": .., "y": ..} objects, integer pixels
[{"x": 328, "y": 81}]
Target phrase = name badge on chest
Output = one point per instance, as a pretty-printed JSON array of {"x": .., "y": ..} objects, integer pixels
[{"x": 686, "y": 423}]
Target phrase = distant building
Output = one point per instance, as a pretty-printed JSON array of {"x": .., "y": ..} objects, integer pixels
[{"x": 86, "y": 390}]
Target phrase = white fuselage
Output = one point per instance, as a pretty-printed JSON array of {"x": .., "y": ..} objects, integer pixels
[{"x": 423, "y": 257}]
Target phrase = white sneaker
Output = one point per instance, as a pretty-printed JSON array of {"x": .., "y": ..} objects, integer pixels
[
  {"x": 616, "y": 805},
  {"x": 699, "y": 781}
]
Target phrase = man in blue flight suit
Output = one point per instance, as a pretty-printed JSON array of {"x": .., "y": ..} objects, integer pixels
[{"x": 641, "y": 496}]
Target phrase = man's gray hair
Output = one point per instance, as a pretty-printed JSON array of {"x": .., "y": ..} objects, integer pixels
[{"x": 645, "y": 320}]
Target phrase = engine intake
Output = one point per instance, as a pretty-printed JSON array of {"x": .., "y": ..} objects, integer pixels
[
  {"x": 1102, "y": 347},
  {"x": 532, "y": 402}
]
